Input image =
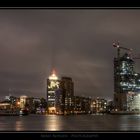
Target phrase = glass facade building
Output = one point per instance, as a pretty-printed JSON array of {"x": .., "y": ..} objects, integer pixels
[{"x": 126, "y": 80}]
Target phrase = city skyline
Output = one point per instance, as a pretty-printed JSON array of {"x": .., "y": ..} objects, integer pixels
[{"x": 77, "y": 43}]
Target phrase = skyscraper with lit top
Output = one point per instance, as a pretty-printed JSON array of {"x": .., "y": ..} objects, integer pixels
[
  {"x": 52, "y": 86},
  {"x": 60, "y": 93}
]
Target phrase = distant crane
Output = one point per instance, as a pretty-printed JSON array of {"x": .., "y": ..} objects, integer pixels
[{"x": 120, "y": 47}]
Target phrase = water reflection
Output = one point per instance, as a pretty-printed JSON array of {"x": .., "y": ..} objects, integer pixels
[
  {"x": 53, "y": 123},
  {"x": 130, "y": 122},
  {"x": 71, "y": 123},
  {"x": 19, "y": 125}
]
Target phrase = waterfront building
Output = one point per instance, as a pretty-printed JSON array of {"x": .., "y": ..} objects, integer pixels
[
  {"x": 59, "y": 101},
  {"x": 29, "y": 105},
  {"x": 67, "y": 93},
  {"x": 12, "y": 100},
  {"x": 23, "y": 101},
  {"x": 99, "y": 105},
  {"x": 110, "y": 105},
  {"x": 126, "y": 82},
  {"x": 4, "y": 105},
  {"x": 86, "y": 104},
  {"x": 133, "y": 101},
  {"x": 124, "y": 74},
  {"x": 52, "y": 86},
  {"x": 82, "y": 105},
  {"x": 60, "y": 94},
  {"x": 77, "y": 104}
]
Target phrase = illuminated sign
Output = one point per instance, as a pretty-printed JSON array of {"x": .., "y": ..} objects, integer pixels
[{"x": 52, "y": 85}]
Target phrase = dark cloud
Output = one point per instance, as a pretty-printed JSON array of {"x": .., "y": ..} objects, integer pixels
[{"x": 78, "y": 43}]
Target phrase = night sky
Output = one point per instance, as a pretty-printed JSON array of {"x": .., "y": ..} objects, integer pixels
[{"x": 77, "y": 43}]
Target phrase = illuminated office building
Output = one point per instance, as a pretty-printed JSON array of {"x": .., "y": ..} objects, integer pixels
[
  {"x": 124, "y": 74},
  {"x": 60, "y": 94}
]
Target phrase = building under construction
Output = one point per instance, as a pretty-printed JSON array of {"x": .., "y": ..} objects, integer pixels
[{"x": 126, "y": 81}]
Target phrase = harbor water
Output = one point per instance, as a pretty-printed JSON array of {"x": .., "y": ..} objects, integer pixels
[{"x": 101, "y": 122}]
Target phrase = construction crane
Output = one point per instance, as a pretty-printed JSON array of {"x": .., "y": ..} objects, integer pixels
[
  {"x": 120, "y": 47},
  {"x": 136, "y": 56}
]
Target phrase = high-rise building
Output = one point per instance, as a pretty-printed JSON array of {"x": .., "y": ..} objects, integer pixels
[
  {"x": 126, "y": 80},
  {"x": 60, "y": 94},
  {"x": 67, "y": 88},
  {"x": 52, "y": 86},
  {"x": 123, "y": 80},
  {"x": 59, "y": 101}
]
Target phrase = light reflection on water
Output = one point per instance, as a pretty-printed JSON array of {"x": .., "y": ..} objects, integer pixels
[
  {"x": 53, "y": 123},
  {"x": 18, "y": 125},
  {"x": 70, "y": 123}
]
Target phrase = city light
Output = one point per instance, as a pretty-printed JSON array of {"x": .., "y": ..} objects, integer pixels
[
  {"x": 53, "y": 76},
  {"x": 18, "y": 103}
]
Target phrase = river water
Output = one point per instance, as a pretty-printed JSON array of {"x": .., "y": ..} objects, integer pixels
[{"x": 70, "y": 123}]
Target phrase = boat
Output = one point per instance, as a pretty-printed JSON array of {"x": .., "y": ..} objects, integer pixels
[{"x": 23, "y": 112}]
